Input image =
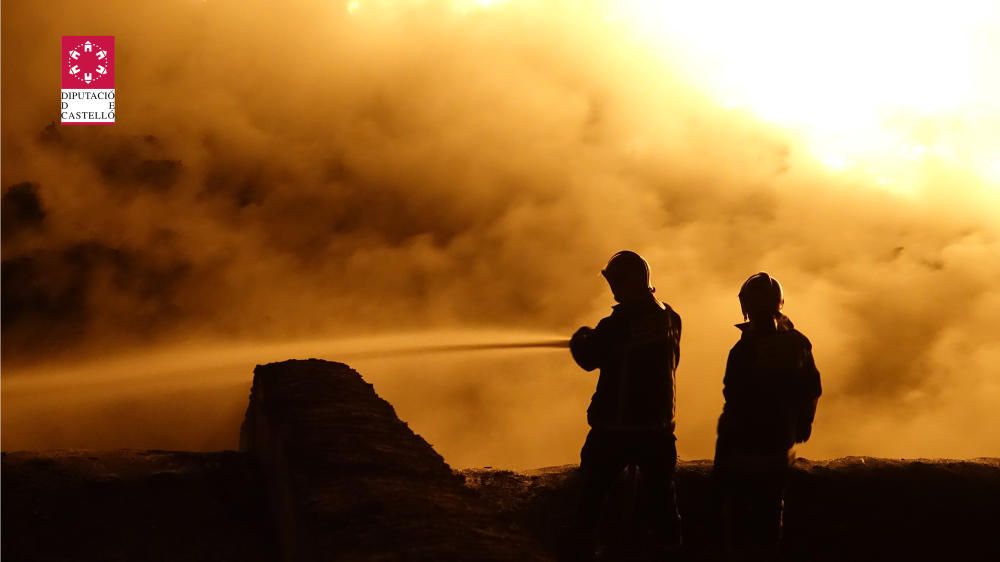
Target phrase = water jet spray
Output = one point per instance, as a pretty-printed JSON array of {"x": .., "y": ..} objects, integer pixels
[{"x": 417, "y": 350}]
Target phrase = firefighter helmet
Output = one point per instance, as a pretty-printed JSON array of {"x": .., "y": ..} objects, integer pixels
[
  {"x": 761, "y": 294},
  {"x": 627, "y": 270}
]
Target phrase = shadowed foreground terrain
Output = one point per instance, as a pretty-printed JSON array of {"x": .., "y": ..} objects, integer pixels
[
  {"x": 126, "y": 506},
  {"x": 327, "y": 471},
  {"x": 846, "y": 509}
]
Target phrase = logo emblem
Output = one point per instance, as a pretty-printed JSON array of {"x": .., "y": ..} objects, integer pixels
[
  {"x": 88, "y": 80},
  {"x": 88, "y": 62}
]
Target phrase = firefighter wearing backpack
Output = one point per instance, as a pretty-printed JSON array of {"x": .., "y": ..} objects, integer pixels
[
  {"x": 771, "y": 388},
  {"x": 631, "y": 414}
]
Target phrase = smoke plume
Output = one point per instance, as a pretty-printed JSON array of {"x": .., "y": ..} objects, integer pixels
[{"x": 307, "y": 170}]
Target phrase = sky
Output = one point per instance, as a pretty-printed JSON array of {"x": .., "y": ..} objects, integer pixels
[{"x": 321, "y": 178}]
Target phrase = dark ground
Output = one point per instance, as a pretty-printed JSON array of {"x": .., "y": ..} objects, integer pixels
[
  {"x": 130, "y": 506},
  {"x": 329, "y": 472},
  {"x": 857, "y": 508}
]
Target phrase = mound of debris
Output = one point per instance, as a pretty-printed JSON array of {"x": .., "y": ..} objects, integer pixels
[{"x": 349, "y": 481}]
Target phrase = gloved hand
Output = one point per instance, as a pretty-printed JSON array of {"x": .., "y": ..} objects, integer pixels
[
  {"x": 803, "y": 425},
  {"x": 582, "y": 353},
  {"x": 803, "y": 433},
  {"x": 580, "y": 335}
]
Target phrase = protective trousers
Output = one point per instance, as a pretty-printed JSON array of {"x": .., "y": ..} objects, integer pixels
[{"x": 607, "y": 452}]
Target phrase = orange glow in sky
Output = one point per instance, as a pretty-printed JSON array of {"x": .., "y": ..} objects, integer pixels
[
  {"x": 885, "y": 90},
  {"x": 884, "y": 87}
]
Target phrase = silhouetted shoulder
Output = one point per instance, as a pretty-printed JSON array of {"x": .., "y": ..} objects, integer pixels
[
  {"x": 675, "y": 318},
  {"x": 800, "y": 338}
]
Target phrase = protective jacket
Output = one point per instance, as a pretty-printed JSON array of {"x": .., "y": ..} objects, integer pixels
[
  {"x": 637, "y": 349},
  {"x": 771, "y": 389}
]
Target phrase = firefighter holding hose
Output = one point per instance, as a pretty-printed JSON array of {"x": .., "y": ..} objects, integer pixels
[{"x": 631, "y": 415}]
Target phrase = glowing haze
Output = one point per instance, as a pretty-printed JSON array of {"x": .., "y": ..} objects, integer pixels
[
  {"x": 334, "y": 178},
  {"x": 883, "y": 88}
]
